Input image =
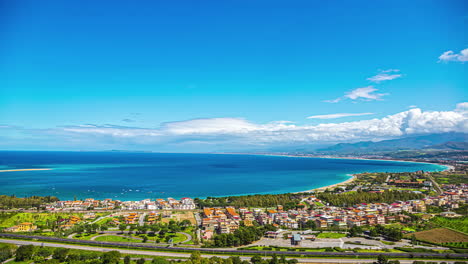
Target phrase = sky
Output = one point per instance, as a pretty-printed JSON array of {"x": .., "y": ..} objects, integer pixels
[{"x": 229, "y": 75}]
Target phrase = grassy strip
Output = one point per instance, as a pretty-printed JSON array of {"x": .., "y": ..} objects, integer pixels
[
  {"x": 74, "y": 250},
  {"x": 241, "y": 253}
]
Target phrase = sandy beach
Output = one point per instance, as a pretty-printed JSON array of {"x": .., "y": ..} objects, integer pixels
[
  {"x": 348, "y": 181},
  {"x": 353, "y": 177},
  {"x": 24, "y": 170}
]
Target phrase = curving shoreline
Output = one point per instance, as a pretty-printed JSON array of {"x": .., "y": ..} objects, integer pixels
[
  {"x": 352, "y": 176},
  {"x": 344, "y": 183},
  {"x": 319, "y": 182}
]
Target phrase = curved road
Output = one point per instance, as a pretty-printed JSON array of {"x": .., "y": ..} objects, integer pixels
[{"x": 119, "y": 233}]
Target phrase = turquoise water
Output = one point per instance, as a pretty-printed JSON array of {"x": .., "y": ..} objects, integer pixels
[{"x": 135, "y": 176}]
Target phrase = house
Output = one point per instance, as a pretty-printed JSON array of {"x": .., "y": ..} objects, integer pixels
[
  {"x": 23, "y": 227},
  {"x": 296, "y": 240},
  {"x": 272, "y": 234}
]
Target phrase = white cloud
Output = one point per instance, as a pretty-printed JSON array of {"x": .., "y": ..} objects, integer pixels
[
  {"x": 367, "y": 93},
  {"x": 334, "y": 100},
  {"x": 462, "y": 107},
  {"x": 390, "y": 70},
  {"x": 339, "y": 115},
  {"x": 385, "y": 76},
  {"x": 363, "y": 93},
  {"x": 238, "y": 132},
  {"x": 452, "y": 56},
  {"x": 209, "y": 125}
]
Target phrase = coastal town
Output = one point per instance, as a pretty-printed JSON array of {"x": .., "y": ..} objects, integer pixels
[{"x": 305, "y": 223}]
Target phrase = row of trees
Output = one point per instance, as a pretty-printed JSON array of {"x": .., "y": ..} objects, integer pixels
[
  {"x": 161, "y": 228},
  {"x": 11, "y": 201},
  {"x": 352, "y": 198},
  {"x": 47, "y": 255},
  {"x": 243, "y": 236},
  {"x": 288, "y": 200},
  {"x": 391, "y": 233}
]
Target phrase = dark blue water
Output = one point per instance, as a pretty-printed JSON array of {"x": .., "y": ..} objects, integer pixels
[{"x": 135, "y": 176}]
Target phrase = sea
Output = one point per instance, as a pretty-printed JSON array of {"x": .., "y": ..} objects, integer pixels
[{"x": 136, "y": 176}]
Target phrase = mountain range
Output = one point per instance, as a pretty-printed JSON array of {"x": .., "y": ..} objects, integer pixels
[{"x": 436, "y": 142}]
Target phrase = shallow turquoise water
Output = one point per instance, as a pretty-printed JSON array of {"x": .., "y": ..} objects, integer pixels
[{"x": 135, "y": 176}]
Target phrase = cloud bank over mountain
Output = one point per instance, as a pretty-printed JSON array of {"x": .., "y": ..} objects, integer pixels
[{"x": 209, "y": 133}]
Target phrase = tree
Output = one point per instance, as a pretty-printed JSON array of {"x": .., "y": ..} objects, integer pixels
[
  {"x": 185, "y": 223},
  {"x": 73, "y": 258},
  {"x": 6, "y": 252},
  {"x": 24, "y": 252},
  {"x": 394, "y": 234},
  {"x": 195, "y": 257},
  {"x": 310, "y": 224},
  {"x": 127, "y": 260},
  {"x": 381, "y": 259},
  {"x": 256, "y": 259},
  {"x": 141, "y": 261},
  {"x": 111, "y": 257},
  {"x": 145, "y": 239},
  {"x": 159, "y": 260},
  {"x": 44, "y": 252},
  {"x": 52, "y": 261},
  {"x": 60, "y": 254},
  {"x": 236, "y": 260},
  {"x": 282, "y": 259},
  {"x": 274, "y": 259}
]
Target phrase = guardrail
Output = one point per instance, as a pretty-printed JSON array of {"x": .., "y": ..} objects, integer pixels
[{"x": 237, "y": 252}]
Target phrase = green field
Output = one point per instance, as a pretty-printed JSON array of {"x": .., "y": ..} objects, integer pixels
[
  {"x": 114, "y": 238},
  {"x": 459, "y": 224},
  {"x": 85, "y": 236},
  {"x": 331, "y": 235},
  {"x": 39, "y": 219}
]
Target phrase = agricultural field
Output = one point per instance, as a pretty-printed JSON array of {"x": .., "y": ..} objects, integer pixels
[
  {"x": 459, "y": 224},
  {"x": 443, "y": 178},
  {"x": 441, "y": 236},
  {"x": 180, "y": 216},
  {"x": 331, "y": 235}
]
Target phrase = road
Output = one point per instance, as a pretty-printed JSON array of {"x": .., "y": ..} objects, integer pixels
[
  {"x": 182, "y": 255},
  {"x": 100, "y": 218},
  {"x": 189, "y": 237},
  {"x": 435, "y": 184},
  {"x": 141, "y": 222},
  {"x": 234, "y": 251},
  {"x": 120, "y": 233}
]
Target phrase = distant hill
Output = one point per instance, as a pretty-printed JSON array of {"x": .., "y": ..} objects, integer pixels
[
  {"x": 450, "y": 145},
  {"x": 453, "y": 141}
]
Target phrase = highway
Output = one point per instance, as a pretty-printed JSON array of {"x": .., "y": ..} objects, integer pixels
[{"x": 181, "y": 255}]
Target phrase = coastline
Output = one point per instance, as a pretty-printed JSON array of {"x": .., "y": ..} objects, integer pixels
[
  {"x": 344, "y": 178},
  {"x": 352, "y": 176},
  {"x": 344, "y": 183}
]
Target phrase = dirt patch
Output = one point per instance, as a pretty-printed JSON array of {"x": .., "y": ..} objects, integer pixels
[
  {"x": 181, "y": 216},
  {"x": 441, "y": 235}
]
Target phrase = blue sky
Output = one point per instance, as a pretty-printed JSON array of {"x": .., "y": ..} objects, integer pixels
[{"x": 122, "y": 67}]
